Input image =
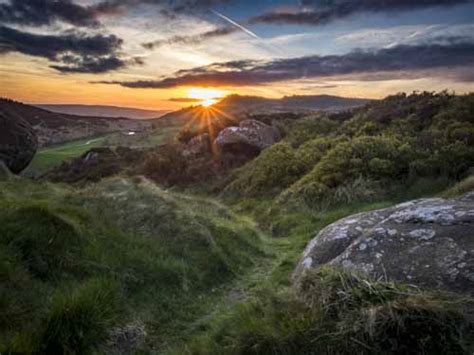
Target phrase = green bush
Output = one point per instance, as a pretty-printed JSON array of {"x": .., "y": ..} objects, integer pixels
[
  {"x": 367, "y": 157},
  {"x": 165, "y": 165},
  {"x": 311, "y": 127},
  {"x": 276, "y": 168}
]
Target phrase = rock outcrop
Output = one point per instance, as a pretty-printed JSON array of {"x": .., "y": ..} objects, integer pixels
[
  {"x": 251, "y": 136},
  {"x": 18, "y": 143},
  {"x": 197, "y": 146},
  {"x": 426, "y": 242}
]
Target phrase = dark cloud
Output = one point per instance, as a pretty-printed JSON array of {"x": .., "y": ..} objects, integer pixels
[
  {"x": 92, "y": 65},
  {"x": 73, "y": 52},
  {"x": 168, "y": 7},
  {"x": 46, "y": 12},
  {"x": 319, "y": 12},
  {"x": 397, "y": 59},
  {"x": 193, "y": 39}
]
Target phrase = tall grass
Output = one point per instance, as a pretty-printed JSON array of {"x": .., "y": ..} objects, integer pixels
[
  {"x": 69, "y": 255},
  {"x": 336, "y": 312}
]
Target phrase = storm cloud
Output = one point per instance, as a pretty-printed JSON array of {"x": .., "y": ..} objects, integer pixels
[
  {"x": 402, "y": 58},
  {"x": 318, "y": 12},
  {"x": 72, "y": 52}
]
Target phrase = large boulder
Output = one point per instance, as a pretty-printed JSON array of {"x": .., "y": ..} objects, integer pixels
[
  {"x": 427, "y": 242},
  {"x": 18, "y": 143},
  {"x": 251, "y": 136}
]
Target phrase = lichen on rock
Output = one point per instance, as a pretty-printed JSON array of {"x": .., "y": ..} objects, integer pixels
[{"x": 426, "y": 242}]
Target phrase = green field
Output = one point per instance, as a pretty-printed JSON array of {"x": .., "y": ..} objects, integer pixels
[
  {"x": 52, "y": 156},
  {"x": 49, "y": 157}
]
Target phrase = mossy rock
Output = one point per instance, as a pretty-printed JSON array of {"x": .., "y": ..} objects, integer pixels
[{"x": 18, "y": 143}]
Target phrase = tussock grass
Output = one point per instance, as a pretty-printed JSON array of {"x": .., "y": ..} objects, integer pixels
[
  {"x": 81, "y": 318},
  {"x": 460, "y": 188},
  {"x": 336, "y": 312},
  {"x": 69, "y": 255}
]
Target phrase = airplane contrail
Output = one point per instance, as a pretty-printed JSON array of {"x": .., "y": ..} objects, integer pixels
[
  {"x": 250, "y": 33},
  {"x": 246, "y": 30}
]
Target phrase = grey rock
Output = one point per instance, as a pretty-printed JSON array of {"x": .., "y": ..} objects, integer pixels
[
  {"x": 199, "y": 145},
  {"x": 18, "y": 143},
  {"x": 249, "y": 135},
  {"x": 426, "y": 242}
]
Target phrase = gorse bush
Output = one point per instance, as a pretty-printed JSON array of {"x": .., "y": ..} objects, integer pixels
[
  {"x": 370, "y": 157},
  {"x": 276, "y": 168},
  {"x": 395, "y": 141},
  {"x": 337, "y": 312}
]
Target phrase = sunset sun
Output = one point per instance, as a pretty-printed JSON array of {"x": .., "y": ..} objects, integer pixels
[{"x": 206, "y": 97}]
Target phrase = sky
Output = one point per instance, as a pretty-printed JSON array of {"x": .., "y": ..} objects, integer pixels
[{"x": 167, "y": 54}]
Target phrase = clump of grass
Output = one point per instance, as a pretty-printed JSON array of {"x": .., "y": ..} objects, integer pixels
[
  {"x": 338, "y": 312},
  {"x": 44, "y": 241},
  {"x": 460, "y": 188},
  {"x": 80, "y": 318}
]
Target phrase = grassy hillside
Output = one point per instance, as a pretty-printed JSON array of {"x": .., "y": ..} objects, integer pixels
[
  {"x": 54, "y": 128},
  {"x": 77, "y": 264},
  {"x": 204, "y": 268}
]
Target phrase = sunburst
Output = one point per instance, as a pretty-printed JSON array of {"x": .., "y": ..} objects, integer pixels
[{"x": 207, "y": 97}]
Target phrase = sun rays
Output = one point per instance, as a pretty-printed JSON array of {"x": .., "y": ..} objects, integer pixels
[
  {"x": 206, "y": 97},
  {"x": 210, "y": 119}
]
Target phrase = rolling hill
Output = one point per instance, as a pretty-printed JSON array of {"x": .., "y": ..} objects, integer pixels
[
  {"x": 238, "y": 105},
  {"x": 103, "y": 111},
  {"x": 295, "y": 103},
  {"x": 53, "y": 128}
]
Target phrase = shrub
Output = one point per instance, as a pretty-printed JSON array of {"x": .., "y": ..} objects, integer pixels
[
  {"x": 311, "y": 152},
  {"x": 276, "y": 168},
  {"x": 367, "y": 157},
  {"x": 165, "y": 165},
  {"x": 311, "y": 127}
]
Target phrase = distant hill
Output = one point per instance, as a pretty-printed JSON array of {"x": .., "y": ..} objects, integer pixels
[
  {"x": 238, "y": 105},
  {"x": 296, "y": 103},
  {"x": 52, "y": 127},
  {"x": 104, "y": 111}
]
